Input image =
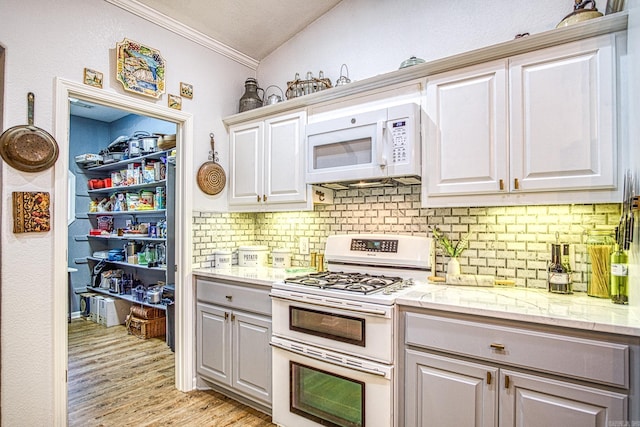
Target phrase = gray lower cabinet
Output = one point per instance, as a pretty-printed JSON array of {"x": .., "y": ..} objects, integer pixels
[
  {"x": 466, "y": 373},
  {"x": 233, "y": 327}
]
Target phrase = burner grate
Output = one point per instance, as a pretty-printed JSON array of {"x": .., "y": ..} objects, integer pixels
[{"x": 348, "y": 282}]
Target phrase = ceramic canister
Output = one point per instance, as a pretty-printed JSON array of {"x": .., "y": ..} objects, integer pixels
[
  {"x": 281, "y": 258},
  {"x": 252, "y": 256},
  {"x": 222, "y": 258}
]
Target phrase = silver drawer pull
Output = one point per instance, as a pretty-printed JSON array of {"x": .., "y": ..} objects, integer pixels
[
  {"x": 498, "y": 347},
  {"x": 229, "y": 297}
]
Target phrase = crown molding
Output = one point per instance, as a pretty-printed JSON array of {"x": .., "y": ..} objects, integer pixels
[{"x": 170, "y": 24}]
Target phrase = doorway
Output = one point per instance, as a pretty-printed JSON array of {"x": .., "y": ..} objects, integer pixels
[{"x": 183, "y": 289}]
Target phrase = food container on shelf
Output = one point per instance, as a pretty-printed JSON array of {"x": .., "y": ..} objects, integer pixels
[
  {"x": 252, "y": 256},
  {"x": 95, "y": 184},
  {"x": 222, "y": 258},
  {"x": 281, "y": 258}
]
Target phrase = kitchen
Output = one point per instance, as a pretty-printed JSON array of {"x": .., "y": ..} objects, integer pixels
[{"x": 217, "y": 96}]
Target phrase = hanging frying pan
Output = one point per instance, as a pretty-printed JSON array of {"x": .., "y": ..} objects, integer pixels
[
  {"x": 27, "y": 147},
  {"x": 211, "y": 176}
]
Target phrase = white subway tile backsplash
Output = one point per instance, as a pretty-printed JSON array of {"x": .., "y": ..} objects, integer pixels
[{"x": 508, "y": 242}]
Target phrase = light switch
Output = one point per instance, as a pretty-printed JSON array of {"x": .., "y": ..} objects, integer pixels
[{"x": 304, "y": 245}]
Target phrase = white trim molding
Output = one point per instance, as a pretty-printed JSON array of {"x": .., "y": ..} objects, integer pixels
[
  {"x": 184, "y": 316},
  {"x": 170, "y": 24}
]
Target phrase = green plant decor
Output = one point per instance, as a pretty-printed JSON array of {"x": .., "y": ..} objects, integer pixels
[{"x": 454, "y": 251}]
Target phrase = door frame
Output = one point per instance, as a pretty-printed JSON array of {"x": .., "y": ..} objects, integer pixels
[{"x": 184, "y": 316}]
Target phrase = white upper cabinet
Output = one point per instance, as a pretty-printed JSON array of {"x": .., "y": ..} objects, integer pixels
[
  {"x": 466, "y": 130},
  {"x": 267, "y": 164},
  {"x": 525, "y": 129},
  {"x": 562, "y": 125}
]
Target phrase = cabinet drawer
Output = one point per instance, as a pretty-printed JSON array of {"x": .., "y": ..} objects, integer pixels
[
  {"x": 579, "y": 358},
  {"x": 236, "y": 296}
]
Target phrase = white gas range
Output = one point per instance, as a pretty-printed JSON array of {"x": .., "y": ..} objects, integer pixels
[{"x": 334, "y": 333}]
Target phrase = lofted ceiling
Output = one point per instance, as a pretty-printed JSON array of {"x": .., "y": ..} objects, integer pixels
[{"x": 253, "y": 27}]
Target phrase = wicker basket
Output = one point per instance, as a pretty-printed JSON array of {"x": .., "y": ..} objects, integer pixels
[
  {"x": 142, "y": 312},
  {"x": 146, "y": 328}
]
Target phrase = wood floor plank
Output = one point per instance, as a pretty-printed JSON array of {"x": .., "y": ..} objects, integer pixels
[{"x": 117, "y": 379}]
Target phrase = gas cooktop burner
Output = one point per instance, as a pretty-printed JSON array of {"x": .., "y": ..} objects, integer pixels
[{"x": 351, "y": 282}]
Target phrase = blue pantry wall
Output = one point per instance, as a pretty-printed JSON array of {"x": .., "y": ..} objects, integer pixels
[{"x": 93, "y": 128}]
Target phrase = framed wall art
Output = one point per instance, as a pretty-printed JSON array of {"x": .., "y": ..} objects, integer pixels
[
  {"x": 93, "y": 78},
  {"x": 175, "y": 102},
  {"x": 31, "y": 212},
  {"x": 140, "y": 69},
  {"x": 186, "y": 90}
]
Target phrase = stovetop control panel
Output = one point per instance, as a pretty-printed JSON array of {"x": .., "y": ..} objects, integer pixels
[{"x": 374, "y": 245}]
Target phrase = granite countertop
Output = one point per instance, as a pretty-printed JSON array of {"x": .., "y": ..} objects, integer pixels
[{"x": 577, "y": 311}]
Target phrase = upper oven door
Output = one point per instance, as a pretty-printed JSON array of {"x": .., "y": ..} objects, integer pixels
[{"x": 365, "y": 330}]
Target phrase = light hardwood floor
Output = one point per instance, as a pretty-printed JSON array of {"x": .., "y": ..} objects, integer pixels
[{"x": 117, "y": 379}]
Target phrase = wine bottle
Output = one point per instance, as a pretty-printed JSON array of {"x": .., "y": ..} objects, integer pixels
[
  {"x": 619, "y": 276},
  {"x": 558, "y": 278}
]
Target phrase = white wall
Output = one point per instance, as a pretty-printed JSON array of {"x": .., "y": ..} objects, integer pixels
[
  {"x": 48, "y": 39},
  {"x": 374, "y": 36}
]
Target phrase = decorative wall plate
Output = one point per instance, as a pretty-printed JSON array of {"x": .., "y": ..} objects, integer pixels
[{"x": 139, "y": 68}]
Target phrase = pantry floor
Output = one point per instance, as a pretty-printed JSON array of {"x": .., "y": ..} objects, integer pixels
[{"x": 117, "y": 379}]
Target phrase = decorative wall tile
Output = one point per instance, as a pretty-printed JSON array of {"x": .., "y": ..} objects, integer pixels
[{"x": 508, "y": 242}]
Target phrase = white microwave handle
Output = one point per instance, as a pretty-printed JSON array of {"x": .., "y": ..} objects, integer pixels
[{"x": 381, "y": 156}]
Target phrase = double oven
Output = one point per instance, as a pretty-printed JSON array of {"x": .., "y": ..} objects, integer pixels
[{"x": 334, "y": 333}]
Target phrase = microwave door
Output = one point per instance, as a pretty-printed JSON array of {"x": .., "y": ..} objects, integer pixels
[{"x": 346, "y": 154}]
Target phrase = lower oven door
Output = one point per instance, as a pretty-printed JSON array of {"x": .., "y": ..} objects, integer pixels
[
  {"x": 361, "y": 329},
  {"x": 314, "y": 387}
]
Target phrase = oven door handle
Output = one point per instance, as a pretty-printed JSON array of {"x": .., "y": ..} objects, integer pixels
[
  {"x": 316, "y": 302},
  {"x": 327, "y": 360}
]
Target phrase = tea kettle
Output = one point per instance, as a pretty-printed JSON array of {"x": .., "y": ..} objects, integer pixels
[
  {"x": 274, "y": 98},
  {"x": 251, "y": 99},
  {"x": 580, "y": 13}
]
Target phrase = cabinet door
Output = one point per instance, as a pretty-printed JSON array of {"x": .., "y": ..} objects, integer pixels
[
  {"x": 284, "y": 156},
  {"x": 562, "y": 117},
  {"x": 440, "y": 391},
  {"x": 246, "y": 163},
  {"x": 466, "y": 125},
  {"x": 252, "y": 355},
  {"x": 527, "y": 400},
  {"x": 213, "y": 343}
]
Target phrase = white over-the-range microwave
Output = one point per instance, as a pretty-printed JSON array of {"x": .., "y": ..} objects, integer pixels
[{"x": 367, "y": 149}]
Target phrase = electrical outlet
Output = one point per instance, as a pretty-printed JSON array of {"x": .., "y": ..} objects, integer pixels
[{"x": 304, "y": 245}]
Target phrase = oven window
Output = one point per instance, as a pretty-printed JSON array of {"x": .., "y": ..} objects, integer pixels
[
  {"x": 326, "y": 398},
  {"x": 332, "y": 326}
]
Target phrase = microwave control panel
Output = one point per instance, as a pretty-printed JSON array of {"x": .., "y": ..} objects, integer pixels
[{"x": 399, "y": 143}]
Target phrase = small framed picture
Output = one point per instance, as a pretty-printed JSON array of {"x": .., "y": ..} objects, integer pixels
[
  {"x": 614, "y": 6},
  {"x": 93, "y": 78},
  {"x": 175, "y": 102},
  {"x": 186, "y": 90}
]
